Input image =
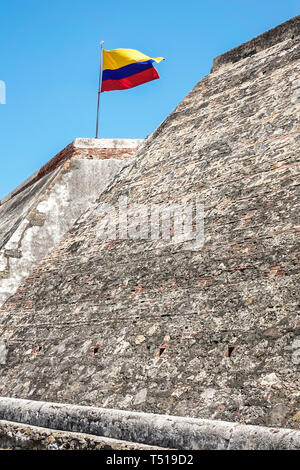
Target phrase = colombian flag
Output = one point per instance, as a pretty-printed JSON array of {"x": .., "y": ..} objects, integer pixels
[{"x": 127, "y": 68}]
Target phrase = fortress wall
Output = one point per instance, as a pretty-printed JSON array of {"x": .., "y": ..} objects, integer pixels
[
  {"x": 35, "y": 216},
  {"x": 155, "y": 327}
]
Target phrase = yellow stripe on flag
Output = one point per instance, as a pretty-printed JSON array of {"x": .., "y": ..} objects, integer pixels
[{"x": 118, "y": 58}]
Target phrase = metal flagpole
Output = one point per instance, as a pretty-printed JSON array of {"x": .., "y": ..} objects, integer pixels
[{"x": 100, "y": 84}]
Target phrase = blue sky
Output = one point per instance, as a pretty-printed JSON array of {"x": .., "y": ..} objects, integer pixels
[{"x": 49, "y": 54}]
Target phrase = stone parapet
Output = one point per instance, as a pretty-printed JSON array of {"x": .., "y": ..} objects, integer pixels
[
  {"x": 19, "y": 436},
  {"x": 136, "y": 429},
  {"x": 283, "y": 32}
]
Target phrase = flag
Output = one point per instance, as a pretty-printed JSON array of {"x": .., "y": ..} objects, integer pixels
[{"x": 127, "y": 68}]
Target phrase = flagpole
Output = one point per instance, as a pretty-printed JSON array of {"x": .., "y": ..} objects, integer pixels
[{"x": 99, "y": 88}]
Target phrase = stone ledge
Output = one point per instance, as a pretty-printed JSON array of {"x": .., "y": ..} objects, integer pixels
[
  {"x": 26, "y": 437},
  {"x": 282, "y": 32},
  {"x": 146, "y": 428},
  {"x": 107, "y": 143}
]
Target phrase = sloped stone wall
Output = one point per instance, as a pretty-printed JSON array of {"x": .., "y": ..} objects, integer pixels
[{"x": 154, "y": 327}]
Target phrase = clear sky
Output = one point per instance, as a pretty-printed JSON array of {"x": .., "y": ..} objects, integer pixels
[{"x": 49, "y": 52}]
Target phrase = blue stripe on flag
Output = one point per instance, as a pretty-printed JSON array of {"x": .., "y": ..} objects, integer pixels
[{"x": 127, "y": 71}]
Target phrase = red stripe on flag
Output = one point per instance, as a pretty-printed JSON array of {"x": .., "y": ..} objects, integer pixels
[{"x": 130, "y": 82}]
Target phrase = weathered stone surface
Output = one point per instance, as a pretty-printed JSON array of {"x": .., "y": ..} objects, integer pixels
[
  {"x": 3, "y": 352},
  {"x": 38, "y": 213},
  {"x": 218, "y": 323},
  {"x": 18, "y": 436},
  {"x": 127, "y": 427}
]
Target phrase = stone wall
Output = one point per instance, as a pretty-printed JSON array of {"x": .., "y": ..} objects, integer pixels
[
  {"x": 38, "y": 213},
  {"x": 153, "y": 327}
]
